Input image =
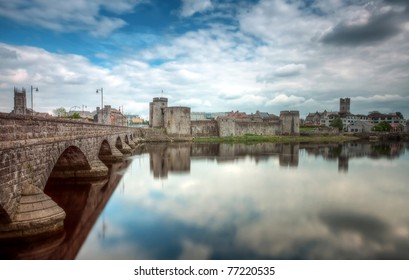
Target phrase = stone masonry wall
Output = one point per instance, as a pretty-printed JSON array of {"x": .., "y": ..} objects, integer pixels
[
  {"x": 177, "y": 121},
  {"x": 290, "y": 121},
  {"x": 30, "y": 147},
  {"x": 237, "y": 127},
  {"x": 205, "y": 128}
]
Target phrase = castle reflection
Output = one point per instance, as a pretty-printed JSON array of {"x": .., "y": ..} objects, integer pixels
[
  {"x": 176, "y": 157},
  {"x": 84, "y": 202}
]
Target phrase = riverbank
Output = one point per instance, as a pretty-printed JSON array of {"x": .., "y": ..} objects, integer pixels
[{"x": 251, "y": 138}]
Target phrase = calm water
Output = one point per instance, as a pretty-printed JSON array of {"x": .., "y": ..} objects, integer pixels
[
  {"x": 225, "y": 201},
  {"x": 265, "y": 201}
]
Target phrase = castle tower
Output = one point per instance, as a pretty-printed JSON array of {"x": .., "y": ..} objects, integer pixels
[
  {"x": 344, "y": 105},
  {"x": 290, "y": 122},
  {"x": 177, "y": 121},
  {"x": 20, "y": 103},
  {"x": 157, "y": 112}
]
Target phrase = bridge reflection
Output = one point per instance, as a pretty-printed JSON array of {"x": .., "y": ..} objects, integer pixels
[{"x": 83, "y": 203}]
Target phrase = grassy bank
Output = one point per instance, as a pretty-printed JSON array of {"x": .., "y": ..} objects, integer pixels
[{"x": 251, "y": 138}]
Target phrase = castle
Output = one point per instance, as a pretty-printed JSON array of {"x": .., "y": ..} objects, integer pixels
[{"x": 177, "y": 122}]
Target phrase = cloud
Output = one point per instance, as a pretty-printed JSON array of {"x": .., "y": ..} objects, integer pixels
[
  {"x": 284, "y": 99},
  {"x": 64, "y": 80},
  {"x": 7, "y": 54},
  {"x": 290, "y": 70},
  {"x": 334, "y": 224},
  {"x": 68, "y": 16},
  {"x": 377, "y": 28},
  {"x": 191, "y": 7},
  {"x": 193, "y": 102},
  {"x": 280, "y": 23},
  {"x": 268, "y": 55}
]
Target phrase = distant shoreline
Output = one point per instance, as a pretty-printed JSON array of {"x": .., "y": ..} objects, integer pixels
[{"x": 251, "y": 138}]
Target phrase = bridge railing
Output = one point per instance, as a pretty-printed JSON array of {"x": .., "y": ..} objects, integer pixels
[{"x": 20, "y": 127}]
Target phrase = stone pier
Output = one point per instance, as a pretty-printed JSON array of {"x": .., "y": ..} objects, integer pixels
[{"x": 34, "y": 149}]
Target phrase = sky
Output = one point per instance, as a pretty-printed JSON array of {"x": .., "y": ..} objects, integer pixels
[{"x": 210, "y": 55}]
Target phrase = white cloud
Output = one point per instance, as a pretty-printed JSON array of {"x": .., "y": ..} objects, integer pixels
[
  {"x": 269, "y": 61},
  {"x": 251, "y": 213},
  {"x": 191, "y": 7},
  {"x": 290, "y": 70},
  {"x": 283, "y": 99},
  {"x": 68, "y": 16}
]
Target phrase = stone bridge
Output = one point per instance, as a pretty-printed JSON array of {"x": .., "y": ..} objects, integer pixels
[{"x": 34, "y": 150}]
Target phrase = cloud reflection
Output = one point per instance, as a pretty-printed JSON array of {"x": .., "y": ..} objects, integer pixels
[{"x": 251, "y": 209}]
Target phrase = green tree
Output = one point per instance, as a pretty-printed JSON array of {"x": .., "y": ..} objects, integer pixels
[
  {"x": 337, "y": 123},
  {"x": 382, "y": 126},
  {"x": 60, "y": 112},
  {"x": 399, "y": 114},
  {"x": 75, "y": 115}
]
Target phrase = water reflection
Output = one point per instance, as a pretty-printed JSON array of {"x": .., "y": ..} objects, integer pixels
[
  {"x": 346, "y": 151},
  {"x": 176, "y": 157},
  {"x": 237, "y": 201},
  {"x": 83, "y": 202}
]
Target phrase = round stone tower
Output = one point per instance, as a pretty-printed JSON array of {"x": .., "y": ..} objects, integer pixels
[
  {"x": 177, "y": 121},
  {"x": 157, "y": 111}
]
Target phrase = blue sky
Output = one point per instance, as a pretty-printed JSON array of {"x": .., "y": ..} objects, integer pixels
[{"x": 210, "y": 55}]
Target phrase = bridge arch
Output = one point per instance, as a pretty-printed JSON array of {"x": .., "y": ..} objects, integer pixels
[
  {"x": 104, "y": 150},
  {"x": 69, "y": 162},
  {"x": 108, "y": 151},
  {"x": 51, "y": 146},
  {"x": 118, "y": 143}
]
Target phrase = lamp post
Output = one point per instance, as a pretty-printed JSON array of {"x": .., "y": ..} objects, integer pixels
[
  {"x": 102, "y": 96},
  {"x": 83, "y": 109},
  {"x": 32, "y": 104}
]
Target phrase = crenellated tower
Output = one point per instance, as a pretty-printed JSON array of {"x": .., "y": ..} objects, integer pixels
[
  {"x": 344, "y": 105},
  {"x": 20, "y": 102},
  {"x": 157, "y": 112},
  {"x": 290, "y": 122}
]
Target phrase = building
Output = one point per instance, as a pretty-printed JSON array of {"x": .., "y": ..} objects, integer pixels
[
  {"x": 177, "y": 121},
  {"x": 344, "y": 105},
  {"x": 391, "y": 118},
  {"x": 360, "y": 126},
  {"x": 20, "y": 102},
  {"x": 317, "y": 118},
  {"x": 349, "y": 120},
  {"x": 110, "y": 116},
  {"x": 327, "y": 118},
  {"x": 134, "y": 120},
  {"x": 156, "y": 112},
  {"x": 20, "y": 105}
]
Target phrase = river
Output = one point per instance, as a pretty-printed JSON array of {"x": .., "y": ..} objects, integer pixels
[{"x": 237, "y": 201}]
